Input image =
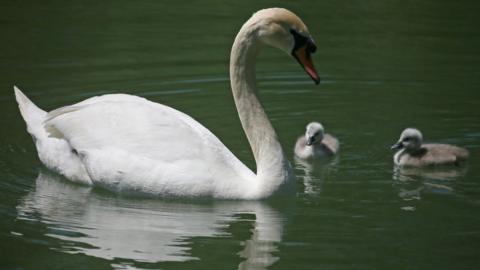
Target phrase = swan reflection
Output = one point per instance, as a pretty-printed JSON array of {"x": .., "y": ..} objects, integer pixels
[{"x": 144, "y": 230}]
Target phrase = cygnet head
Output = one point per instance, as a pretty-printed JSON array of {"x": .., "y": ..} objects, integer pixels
[
  {"x": 314, "y": 133},
  {"x": 410, "y": 140},
  {"x": 284, "y": 30}
]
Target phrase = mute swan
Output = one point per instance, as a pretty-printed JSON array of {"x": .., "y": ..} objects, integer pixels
[
  {"x": 126, "y": 143},
  {"x": 415, "y": 154},
  {"x": 316, "y": 143}
]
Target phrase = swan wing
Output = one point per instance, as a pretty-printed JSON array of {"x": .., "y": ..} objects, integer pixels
[{"x": 128, "y": 142}]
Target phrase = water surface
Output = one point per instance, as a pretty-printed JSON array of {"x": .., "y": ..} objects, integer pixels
[{"x": 386, "y": 65}]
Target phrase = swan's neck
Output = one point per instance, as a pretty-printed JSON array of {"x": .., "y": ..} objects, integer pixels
[{"x": 273, "y": 167}]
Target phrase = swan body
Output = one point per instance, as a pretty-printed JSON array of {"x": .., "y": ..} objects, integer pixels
[
  {"x": 413, "y": 153},
  {"x": 316, "y": 143},
  {"x": 129, "y": 144}
]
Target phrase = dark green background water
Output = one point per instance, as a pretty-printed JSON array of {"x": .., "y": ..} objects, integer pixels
[{"x": 386, "y": 65}]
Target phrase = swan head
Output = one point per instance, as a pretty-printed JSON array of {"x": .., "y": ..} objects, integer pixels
[
  {"x": 410, "y": 140},
  {"x": 314, "y": 133},
  {"x": 281, "y": 28}
]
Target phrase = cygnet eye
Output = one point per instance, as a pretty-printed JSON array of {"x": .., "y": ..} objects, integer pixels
[{"x": 406, "y": 139}]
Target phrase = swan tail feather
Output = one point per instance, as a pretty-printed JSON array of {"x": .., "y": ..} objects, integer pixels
[
  {"x": 33, "y": 115},
  {"x": 61, "y": 111},
  {"x": 49, "y": 125}
]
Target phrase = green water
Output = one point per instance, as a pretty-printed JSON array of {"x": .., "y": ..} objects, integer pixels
[{"x": 386, "y": 65}]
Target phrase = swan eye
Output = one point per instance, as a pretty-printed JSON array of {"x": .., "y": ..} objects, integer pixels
[
  {"x": 301, "y": 40},
  {"x": 311, "y": 47},
  {"x": 406, "y": 139}
]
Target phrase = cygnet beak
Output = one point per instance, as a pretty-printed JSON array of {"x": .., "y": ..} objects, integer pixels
[
  {"x": 397, "y": 146},
  {"x": 310, "y": 141}
]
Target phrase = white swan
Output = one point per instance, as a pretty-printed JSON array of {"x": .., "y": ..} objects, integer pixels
[
  {"x": 316, "y": 143},
  {"x": 128, "y": 144}
]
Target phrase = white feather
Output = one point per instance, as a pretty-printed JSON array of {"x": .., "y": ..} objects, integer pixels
[{"x": 129, "y": 144}]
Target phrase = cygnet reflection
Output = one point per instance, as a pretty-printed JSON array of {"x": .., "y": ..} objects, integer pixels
[
  {"x": 413, "y": 182},
  {"x": 313, "y": 172}
]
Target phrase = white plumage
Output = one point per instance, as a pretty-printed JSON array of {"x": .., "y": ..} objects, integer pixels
[{"x": 129, "y": 144}]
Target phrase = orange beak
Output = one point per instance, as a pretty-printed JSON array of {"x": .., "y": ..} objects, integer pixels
[{"x": 304, "y": 58}]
